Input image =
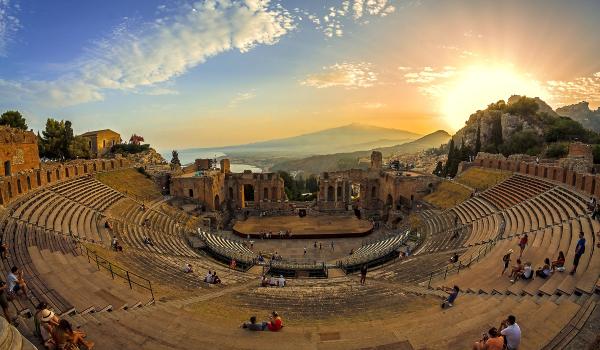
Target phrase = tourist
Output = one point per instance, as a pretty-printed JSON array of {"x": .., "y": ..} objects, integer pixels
[
  {"x": 320, "y": 245},
  {"x": 3, "y": 249},
  {"x": 351, "y": 251},
  {"x": 363, "y": 274},
  {"x": 523, "y": 243},
  {"x": 518, "y": 268},
  {"x": 454, "y": 258},
  {"x": 276, "y": 322},
  {"x": 526, "y": 273},
  {"x": 148, "y": 241},
  {"x": 65, "y": 338},
  {"x": 143, "y": 207},
  {"x": 45, "y": 321},
  {"x": 208, "y": 278},
  {"x": 596, "y": 212},
  {"x": 215, "y": 278},
  {"x": 188, "y": 268},
  {"x": 264, "y": 281},
  {"x": 579, "y": 250},
  {"x": 490, "y": 341},
  {"x": 4, "y": 300},
  {"x": 253, "y": 326},
  {"x": 16, "y": 283},
  {"x": 114, "y": 243},
  {"x": 506, "y": 260},
  {"x": 511, "y": 332},
  {"x": 559, "y": 263},
  {"x": 281, "y": 281},
  {"x": 232, "y": 264},
  {"x": 545, "y": 271},
  {"x": 592, "y": 204},
  {"x": 304, "y": 251},
  {"x": 452, "y": 295},
  {"x": 332, "y": 248}
]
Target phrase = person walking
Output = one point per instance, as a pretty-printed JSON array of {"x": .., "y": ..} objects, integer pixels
[
  {"x": 506, "y": 261},
  {"x": 579, "y": 250},
  {"x": 363, "y": 274},
  {"x": 523, "y": 243}
]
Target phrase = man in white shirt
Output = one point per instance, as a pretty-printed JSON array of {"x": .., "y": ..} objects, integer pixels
[
  {"x": 511, "y": 330},
  {"x": 208, "y": 278},
  {"x": 15, "y": 281},
  {"x": 281, "y": 281}
]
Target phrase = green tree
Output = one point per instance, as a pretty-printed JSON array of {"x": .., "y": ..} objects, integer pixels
[
  {"x": 557, "y": 150},
  {"x": 175, "y": 158},
  {"x": 524, "y": 107},
  {"x": 439, "y": 169},
  {"x": 54, "y": 145},
  {"x": 312, "y": 184},
  {"x": 13, "y": 119},
  {"x": 79, "y": 148},
  {"x": 496, "y": 132}
]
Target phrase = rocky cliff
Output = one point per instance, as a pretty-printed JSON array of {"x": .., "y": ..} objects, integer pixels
[{"x": 582, "y": 113}]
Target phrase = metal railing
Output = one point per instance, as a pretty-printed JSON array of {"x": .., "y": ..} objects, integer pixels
[
  {"x": 119, "y": 272},
  {"x": 456, "y": 267}
]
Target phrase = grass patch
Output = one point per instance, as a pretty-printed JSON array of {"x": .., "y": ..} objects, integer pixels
[
  {"x": 132, "y": 182},
  {"x": 482, "y": 178},
  {"x": 447, "y": 195}
]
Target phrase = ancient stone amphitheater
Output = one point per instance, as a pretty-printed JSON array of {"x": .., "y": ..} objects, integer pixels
[{"x": 141, "y": 299}]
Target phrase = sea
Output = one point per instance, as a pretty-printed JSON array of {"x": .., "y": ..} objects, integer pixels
[{"x": 188, "y": 157}]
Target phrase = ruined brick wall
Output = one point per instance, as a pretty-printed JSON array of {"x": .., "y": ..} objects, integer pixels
[
  {"x": 18, "y": 151},
  {"x": 217, "y": 189},
  {"x": 12, "y": 187}
]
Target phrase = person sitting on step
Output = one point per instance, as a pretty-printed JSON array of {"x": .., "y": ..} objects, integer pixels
[
  {"x": 559, "y": 263},
  {"x": 66, "y": 338},
  {"x": 545, "y": 271},
  {"x": 188, "y": 268},
  {"x": 16, "y": 282},
  {"x": 45, "y": 321},
  {"x": 518, "y": 268},
  {"x": 525, "y": 274},
  {"x": 253, "y": 326},
  {"x": 490, "y": 341},
  {"x": 276, "y": 322},
  {"x": 215, "y": 278},
  {"x": 208, "y": 278},
  {"x": 452, "y": 295}
]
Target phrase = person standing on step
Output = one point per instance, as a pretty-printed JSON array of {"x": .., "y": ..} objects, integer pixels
[
  {"x": 506, "y": 260},
  {"x": 363, "y": 274},
  {"x": 579, "y": 250},
  {"x": 523, "y": 243},
  {"x": 511, "y": 332}
]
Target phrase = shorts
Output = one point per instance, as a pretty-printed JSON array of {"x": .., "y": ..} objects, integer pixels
[
  {"x": 506, "y": 264},
  {"x": 3, "y": 301},
  {"x": 16, "y": 288},
  {"x": 576, "y": 259}
]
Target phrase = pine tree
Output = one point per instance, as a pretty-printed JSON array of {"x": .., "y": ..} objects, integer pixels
[{"x": 175, "y": 158}]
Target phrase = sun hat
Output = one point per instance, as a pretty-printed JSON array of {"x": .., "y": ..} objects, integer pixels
[
  {"x": 46, "y": 315},
  {"x": 510, "y": 251}
]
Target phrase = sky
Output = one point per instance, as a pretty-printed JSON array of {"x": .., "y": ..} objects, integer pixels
[{"x": 221, "y": 72}]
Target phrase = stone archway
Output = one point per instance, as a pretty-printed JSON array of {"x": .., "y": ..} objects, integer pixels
[{"x": 330, "y": 194}]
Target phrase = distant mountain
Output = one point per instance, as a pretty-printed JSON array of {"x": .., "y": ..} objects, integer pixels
[
  {"x": 343, "y": 161},
  {"x": 582, "y": 113},
  {"x": 346, "y": 138}
]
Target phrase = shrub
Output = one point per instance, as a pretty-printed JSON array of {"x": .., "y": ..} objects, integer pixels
[
  {"x": 557, "y": 150},
  {"x": 129, "y": 148}
]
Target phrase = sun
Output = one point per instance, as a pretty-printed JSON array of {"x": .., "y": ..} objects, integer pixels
[{"x": 476, "y": 87}]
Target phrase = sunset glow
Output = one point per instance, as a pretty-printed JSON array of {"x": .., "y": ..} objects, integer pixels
[{"x": 478, "y": 86}]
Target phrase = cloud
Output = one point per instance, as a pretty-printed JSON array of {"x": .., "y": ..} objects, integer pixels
[
  {"x": 576, "y": 90},
  {"x": 241, "y": 97},
  {"x": 164, "y": 49},
  {"x": 332, "y": 21},
  {"x": 429, "y": 75},
  {"x": 373, "y": 105},
  {"x": 472, "y": 34},
  {"x": 9, "y": 24},
  {"x": 347, "y": 75}
]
